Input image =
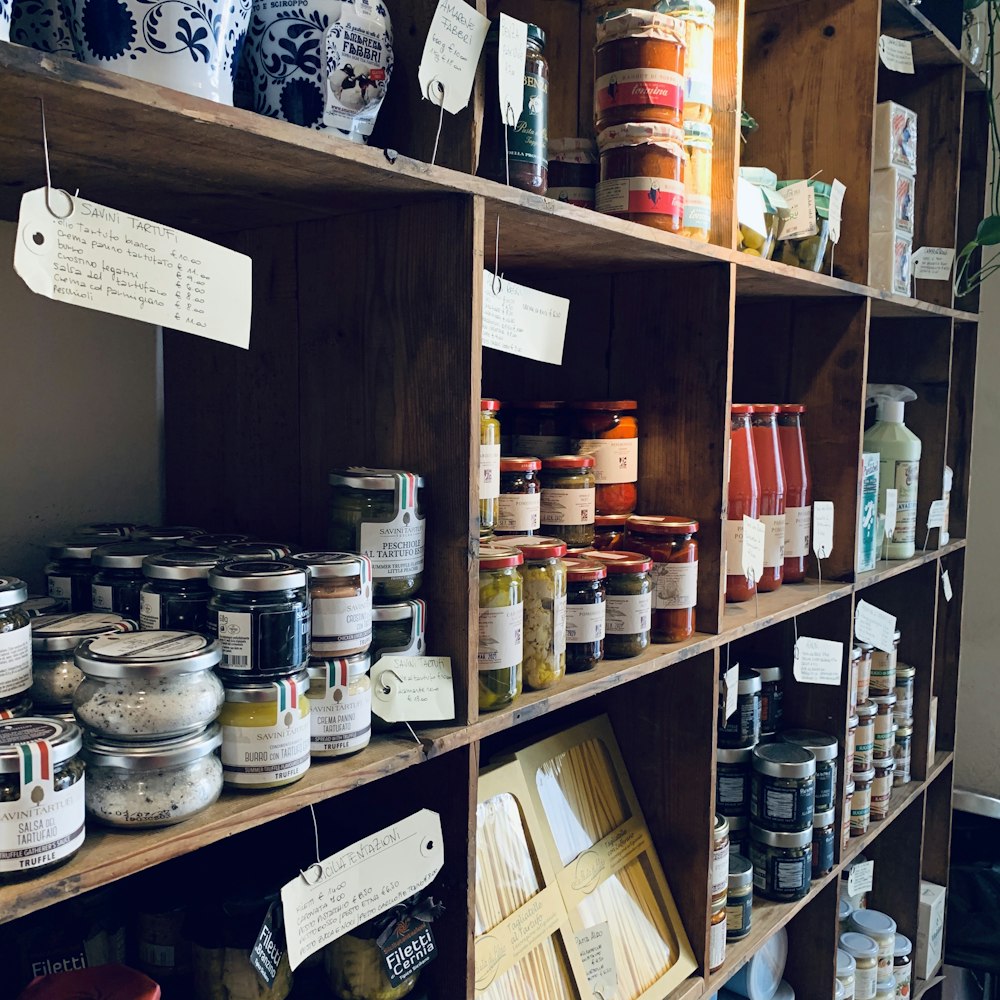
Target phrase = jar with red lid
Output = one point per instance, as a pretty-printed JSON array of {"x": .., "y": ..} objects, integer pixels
[
  {"x": 629, "y": 589},
  {"x": 609, "y": 432},
  {"x": 573, "y": 171},
  {"x": 539, "y": 427},
  {"x": 501, "y": 626},
  {"x": 638, "y": 69},
  {"x": 670, "y": 542},
  {"x": 519, "y": 504},
  {"x": 568, "y": 489},
  {"x": 609, "y": 532},
  {"x": 798, "y": 490},
  {"x": 586, "y": 610},
  {"x": 764, "y": 428},
  {"x": 489, "y": 462},
  {"x": 744, "y": 501}
]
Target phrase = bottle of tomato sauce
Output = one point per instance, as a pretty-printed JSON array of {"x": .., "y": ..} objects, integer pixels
[
  {"x": 798, "y": 490},
  {"x": 744, "y": 500},
  {"x": 764, "y": 428}
]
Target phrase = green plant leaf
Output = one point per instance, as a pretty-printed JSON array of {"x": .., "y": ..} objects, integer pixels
[
  {"x": 973, "y": 4},
  {"x": 988, "y": 233}
]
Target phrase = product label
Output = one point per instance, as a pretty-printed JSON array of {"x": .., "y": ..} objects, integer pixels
[
  {"x": 559, "y": 507},
  {"x": 774, "y": 540},
  {"x": 675, "y": 586},
  {"x": 528, "y": 141},
  {"x": 501, "y": 637},
  {"x": 149, "y": 611},
  {"x": 745, "y": 723},
  {"x": 266, "y": 953},
  {"x": 61, "y": 587},
  {"x": 341, "y": 720},
  {"x": 559, "y": 625},
  {"x": 584, "y": 197},
  {"x": 15, "y": 661},
  {"x": 720, "y": 869},
  {"x": 519, "y": 512},
  {"x": 798, "y": 530},
  {"x": 615, "y": 460},
  {"x": 156, "y": 956},
  {"x": 790, "y": 875},
  {"x": 641, "y": 196},
  {"x": 717, "y": 945},
  {"x": 585, "y": 622},
  {"x": 629, "y": 615},
  {"x": 489, "y": 471},
  {"x": 342, "y": 623},
  {"x": 738, "y": 914},
  {"x": 270, "y": 641},
  {"x": 101, "y": 597},
  {"x": 262, "y": 755},
  {"x": 396, "y": 547},
  {"x": 865, "y": 981},
  {"x": 779, "y": 804},
  {"x": 904, "y": 475},
  {"x": 901, "y": 974},
  {"x": 409, "y": 947},
  {"x": 643, "y": 85},
  {"x": 539, "y": 445},
  {"x": 235, "y": 635},
  {"x": 697, "y": 211},
  {"x": 731, "y": 794}
]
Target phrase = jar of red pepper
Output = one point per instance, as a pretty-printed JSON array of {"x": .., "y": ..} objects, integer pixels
[
  {"x": 764, "y": 428},
  {"x": 670, "y": 542},
  {"x": 539, "y": 428},
  {"x": 798, "y": 490},
  {"x": 609, "y": 532},
  {"x": 744, "y": 501},
  {"x": 609, "y": 432}
]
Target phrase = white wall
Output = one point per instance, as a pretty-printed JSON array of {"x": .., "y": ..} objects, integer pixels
[{"x": 79, "y": 420}]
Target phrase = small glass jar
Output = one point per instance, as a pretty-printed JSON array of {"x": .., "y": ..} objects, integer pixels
[
  {"x": 176, "y": 592},
  {"x": 720, "y": 859},
  {"x": 148, "y": 685},
  {"x": 905, "y": 679},
  {"x": 379, "y": 513},
  {"x": 265, "y": 732},
  {"x": 881, "y": 928},
  {"x": 883, "y": 672},
  {"x": 568, "y": 497},
  {"x": 902, "y": 754},
  {"x": 355, "y": 967},
  {"x": 864, "y": 676},
  {"x": 782, "y": 863},
  {"x": 539, "y": 428},
  {"x": 783, "y": 787},
  {"x": 845, "y": 972},
  {"x": 885, "y": 735},
  {"x": 398, "y": 629},
  {"x": 861, "y": 802},
  {"x": 340, "y": 705},
  {"x": 902, "y": 967},
  {"x": 864, "y": 743},
  {"x": 501, "y": 626},
  {"x": 825, "y": 749},
  {"x": 259, "y": 611},
  {"x": 850, "y": 743},
  {"x": 108, "y": 530},
  {"x": 519, "y": 506},
  {"x": 732, "y": 781},
  {"x": 852, "y": 682},
  {"x": 164, "y": 534},
  {"x": 70, "y": 573},
  {"x": 717, "y": 935},
  {"x": 671, "y": 543},
  {"x": 20, "y": 705},
  {"x": 207, "y": 542},
  {"x": 340, "y": 602},
  {"x": 809, "y": 252},
  {"x": 37, "y": 605},
  {"x": 489, "y": 462},
  {"x": 742, "y": 728},
  {"x": 254, "y": 551},
  {"x": 844, "y": 911},
  {"x": 629, "y": 602},
  {"x": 609, "y": 532},
  {"x": 586, "y": 614},
  {"x": 885, "y": 988},
  {"x": 152, "y": 784},
  {"x": 15, "y": 638},
  {"x": 41, "y": 795},
  {"x": 864, "y": 951},
  {"x": 739, "y": 835},
  {"x": 117, "y": 584},
  {"x": 573, "y": 171},
  {"x": 739, "y": 898},
  {"x": 882, "y": 788},
  {"x": 824, "y": 839},
  {"x": 609, "y": 432},
  {"x": 697, "y": 181},
  {"x": 771, "y": 698},
  {"x": 845, "y": 833}
]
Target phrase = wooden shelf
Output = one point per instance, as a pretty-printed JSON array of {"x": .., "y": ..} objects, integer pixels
[{"x": 886, "y": 569}]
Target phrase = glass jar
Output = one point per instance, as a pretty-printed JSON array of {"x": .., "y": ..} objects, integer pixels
[
  {"x": 902, "y": 967},
  {"x": 739, "y": 835},
  {"x": 259, "y": 611},
  {"x": 117, "y": 584},
  {"x": 670, "y": 542},
  {"x": 110, "y": 530},
  {"x": 864, "y": 743},
  {"x": 809, "y": 252},
  {"x": 152, "y": 784},
  {"x": 744, "y": 501},
  {"x": 783, "y": 787},
  {"x": 254, "y": 551},
  {"x": 717, "y": 935},
  {"x": 573, "y": 171},
  {"x": 54, "y": 638},
  {"x": 148, "y": 685},
  {"x": 355, "y": 967},
  {"x": 586, "y": 614},
  {"x": 265, "y": 732},
  {"x": 642, "y": 174},
  {"x": 379, "y": 513},
  {"x": 864, "y": 951},
  {"x": 881, "y": 928},
  {"x": 15, "y": 638},
  {"x": 609, "y": 432},
  {"x": 70, "y": 573},
  {"x": 854, "y": 666},
  {"x": 697, "y": 219},
  {"x": 883, "y": 670},
  {"x": 861, "y": 802},
  {"x": 37, "y": 605},
  {"x": 539, "y": 428},
  {"x": 798, "y": 491},
  {"x": 519, "y": 506},
  {"x": 568, "y": 497},
  {"x": 501, "y": 626},
  {"x": 742, "y": 728},
  {"x": 340, "y": 602},
  {"x": 609, "y": 532},
  {"x": 845, "y": 973},
  {"x": 698, "y": 18},
  {"x": 340, "y": 705},
  {"x": 732, "y": 781},
  {"x": 211, "y": 542},
  {"x": 845, "y": 833},
  {"x": 782, "y": 863},
  {"x": 638, "y": 69},
  {"x": 739, "y": 898},
  {"x": 825, "y": 749},
  {"x": 864, "y": 676},
  {"x": 885, "y": 735},
  {"x": 824, "y": 838},
  {"x": 165, "y": 534},
  {"x": 764, "y": 428},
  {"x": 20, "y": 705},
  {"x": 771, "y": 698},
  {"x": 850, "y": 743},
  {"x": 885, "y": 988},
  {"x": 41, "y": 795},
  {"x": 905, "y": 680},
  {"x": 629, "y": 589},
  {"x": 489, "y": 462},
  {"x": 902, "y": 753},
  {"x": 882, "y": 788},
  {"x": 398, "y": 629},
  {"x": 176, "y": 593}
]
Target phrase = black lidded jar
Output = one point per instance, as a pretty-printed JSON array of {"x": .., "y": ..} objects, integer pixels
[
  {"x": 176, "y": 592},
  {"x": 118, "y": 582}
]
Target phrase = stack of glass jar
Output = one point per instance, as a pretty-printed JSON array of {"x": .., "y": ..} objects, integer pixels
[
  {"x": 873, "y": 961},
  {"x": 904, "y": 680}
]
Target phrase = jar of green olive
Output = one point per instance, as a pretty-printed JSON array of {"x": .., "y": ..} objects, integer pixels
[
  {"x": 501, "y": 626},
  {"x": 379, "y": 513},
  {"x": 489, "y": 462},
  {"x": 629, "y": 589},
  {"x": 15, "y": 638},
  {"x": 586, "y": 611},
  {"x": 568, "y": 492}
]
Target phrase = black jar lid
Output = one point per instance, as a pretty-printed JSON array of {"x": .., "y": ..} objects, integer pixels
[
  {"x": 63, "y": 737},
  {"x": 147, "y": 654},
  {"x": 12, "y": 591},
  {"x": 210, "y": 543},
  {"x": 784, "y": 760},
  {"x": 823, "y": 745},
  {"x": 153, "y": 754},
  {"x": 127, "y": 555},
  {"x": 771, "y": 838},
  {"x": 257, "y": 575},
  {"x": 59, "y": 633},
  {"x": 180, "y": 564}
]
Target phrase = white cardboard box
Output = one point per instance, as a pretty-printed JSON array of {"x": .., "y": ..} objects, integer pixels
[
  {"x": 889, "y": 262},
  {"x": 892, "y": 201},
  {"x": 930, "y": 929},
  {"x": 895, "y": 137}
]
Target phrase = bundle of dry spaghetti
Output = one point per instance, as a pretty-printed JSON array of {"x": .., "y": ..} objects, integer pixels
[
  {"x": 583, "y": 803},
  {"x": 505, "y": 880}
]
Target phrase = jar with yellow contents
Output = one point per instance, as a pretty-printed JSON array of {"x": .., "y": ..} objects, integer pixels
[
  {"x": 489, "y": 462},
  {"x": 697, "y": 219},
  {"x": 501, "y": 626}
]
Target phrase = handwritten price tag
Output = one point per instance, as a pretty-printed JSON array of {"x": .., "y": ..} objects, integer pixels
[
  {"x": 946, "y": 586},
  {"x": 413, "y": 689},
  {"x": 837, "y": 191},
  {"x": 451, "y": 54},
  {"x": 818, "y": 661},
  {"x": 522, "y": 321},
  {"x": 873, "y": 625},
  {"x": 732, "y": 685},
  {"x": 754, "y": 537},
  {"x": 896, "y": 54},
  {"x": 932, "y": 263},
  {"x": 597, "y": 953},
  {"x": 861, "y": 878},
  {"x": 891, "y": 505},
  {"x": 936, "y": 514},
  {"x": 823, "y": 528},
  {"x": 513, "y": 42}
]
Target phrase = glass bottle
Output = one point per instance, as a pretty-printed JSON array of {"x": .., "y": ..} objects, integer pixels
[
  {"x": 744, "y": 501},
  {"x": 764, "y": 427},
  {"x": 798, "y": 491}
]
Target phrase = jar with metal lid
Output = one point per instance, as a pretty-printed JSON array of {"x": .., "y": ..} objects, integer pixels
[
  {"x": 41, "y": 795},
  {"x": 519, "y": 506},
  {"x": 845, "y": 972},
  {"x": 609, "y": 532},
  {"x": 881, "y": 928},
  {"x": 489, "y": 462},
  {"x": 852, "y": 682},
  {"x": 568, "y": 492},
  {"x": 398, "y": 629},
  {"x": 109, "y": 530},
  {"x": 15, "y": 638},
  {"x": 743, "y": 501},
  {"x": 764, "y": 429},
  {"x": 501, "y": 626},
  {"x": 340, "y": 705},
  {"x": 825, "y": 749},
  {"x": 861, "y": 802},
  {"x": 259, "y": 611},
  {"x": 54, "y": 638},
  {"x": 671, "y": 543},
  {"x": 739, "y": 835},
  {"x": 732, "y": 781},
  {"x": 70, "y": 572},
  {"x": 845, "y": 833},
  {"x": 697, "y": 219},
  {"x": 864, "y": 676},
  {"x": 882, "y": 788},
  {"x": 902, "y": 754},
  {"x": 39, "y": 604},
  {"x": 539, "y": 428},
  {"x": 782, "y": 863},
  {"x": 572, "y": 171},
  {"x": 771, "y": 697},
  {"x": 20, "y": 705},
  {"x": 742, "y": 728},
  {"x": 209, "y": 542},
  {"x": 609, "y": 432},
  {"x": 642, "y": 174},
  {"x": 905, "y": 680},
  {"x": 717, "y": 935},
  {"x": 147, "y": 685},
  {"x": 864, "y": 951},
  {"x": 265, "y": 732},
  {"x": 824, "y": 838},
  {"x": 340, "y": 602},
  {"x": 783, "y": 787},
  {"x": 739, "y": 897},
  {"x": 844, "y": 911},
  {"x": 117, "y": 584},
  {"x": 883, "y": 672},
  {"x": 850, "y": 743},
  {"x": 254, "y": 551},
  {"x": 379, "y": 513},
  {"x": 629, "y": 589},
  {"x": 638, "y": 69},
  {"x": 698, "y": 18},
  {"x": 839, "y": 993},
  {"x": 885, "y": 736},
  {"x": 154, "y": 783},
  {"x": 902, "y": 967},
  {"x": 885, "y": 988},
  {"x": 864, "y": 741},
  {"x": 167, "y": 534},
  {"x": 586, "y": 614},
  {"x": 176, "y": 592},
  {"x": 720, "y": 858}
]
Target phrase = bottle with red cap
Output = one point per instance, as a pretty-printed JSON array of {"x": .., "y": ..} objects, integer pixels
[
  {"x": 764, "y": 429},
  {"x": 798, "y": 490},
  {"x": 744, "y": 501}
]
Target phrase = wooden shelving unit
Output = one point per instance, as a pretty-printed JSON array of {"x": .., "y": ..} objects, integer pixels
[{"x": 374, "y": 356}]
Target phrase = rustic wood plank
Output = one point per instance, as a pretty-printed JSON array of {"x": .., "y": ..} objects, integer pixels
[
  {"x": 812, "y": 944},
  {"x": 972, "y": 183},
  {"x": 947, "y": 658},
  {"x": 727, "y": 98},
  {"x": 961, "y": 406}
]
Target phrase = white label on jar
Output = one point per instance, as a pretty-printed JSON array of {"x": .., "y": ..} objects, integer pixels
[
  {"x": 865, "y": 982},
  {"x": 731, "y": 791},
  {"x": 616, "y": 460},
  {"x": 904, "y": 476},
  {"x": 789, "y": 875},
  {"x": 539, "y": 445},
  {"x": 697, "y": 211},
  {"x": 675, "y": 585},
  {"x": 262, "y": 755},
  {"x": 734, "y": 547},
  {"x": 717, "y": 940},
  {"x": 149, "y": 611},
  {"x": 148, "y": 647},
  {"x": 720, "y": 869},
  {"x": 61, "y": 587},
  {"x": 501, "y": 637},
  {"x": 342, "y": 623},
  {"x": 489, "y": 471},
  {"x": 559, "y": 625},
  {"x": 779, "y": 804},
  {"x": 519, "y": 512},
  {"x": 774, "y": 539},
  {"x": 32, "y": 835},
  {"x": 629, "y": 615},
  {"x": 572, "y": 195},
  {"x": 236, "y": 639},
  {"x": 901, "y": 974},
  {"x": 396, "y": 548},
  {"x": 341, "y": 721},
  {"x": 585, "y": 622},
  {"x": 158, "y": 956},
  {"x": 101, "y": 597},
  {"x": 15, "y": 661},
  {"x": 798, "y": 531},
  {"x": 568, "y": 506}
]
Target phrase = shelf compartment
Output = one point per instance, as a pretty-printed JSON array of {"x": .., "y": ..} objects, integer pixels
[
  {"x": 961, "y": 406},
  {"x": 948, "y": 652},
  {"x": 886, "y": 569},
  {"x": 931, "y": 45}
]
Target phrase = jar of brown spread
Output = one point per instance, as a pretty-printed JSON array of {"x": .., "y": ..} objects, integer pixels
[{"x": 573, "y": 171}]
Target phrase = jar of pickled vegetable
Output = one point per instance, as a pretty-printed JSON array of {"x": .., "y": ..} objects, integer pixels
[
  {"x": 764, "y": 428},
  {"x": 809, "y": 252},
  {"x": 609, "y": 432},
  {"x": 609, "y": 532},
  {"x": 398, "y": 629},
  {"x": 697, "y": 181},
  {"x": 756, "y": 243},
  {"x": 501, "y": 626},
  {"x": 489, "y": 462},
  {"x": 698, "y": 18},
  {"x": 798, "y": 490},
  {"x": 670, "y": 542},
  {"x": 586, "y": 612},
  {"x": 629, "y": 590},
  {"x": 379, "y": 513},
  {"x": 539, "y": 428},
  {"x": 744, "y": 501},
  {"x": 519, "y": 506},
  {"x": 573, "y": 171},
  {"x": 71, "y": 572},
  {"x": 568, "y": 498}
]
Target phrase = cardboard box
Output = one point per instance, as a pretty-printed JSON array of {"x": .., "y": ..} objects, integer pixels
[
  {"x": 869, "y": 538},
  {"x": 892, "y": 204},
  {"x": 889, "y": 262},
  {"x": 930, "y": 930},
  {"x": 895, "y": 137}
]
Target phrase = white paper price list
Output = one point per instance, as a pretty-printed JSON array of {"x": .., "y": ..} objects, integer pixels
[{"x": 190, "y": 290}]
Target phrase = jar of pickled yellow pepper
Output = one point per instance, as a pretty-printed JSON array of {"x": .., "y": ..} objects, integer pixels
[
  {"x": 698, "y": 18},
  {"x": 697, "y": 181},
  {"x": 489, "y": 463},
  {"x": 501, "y": 626}
]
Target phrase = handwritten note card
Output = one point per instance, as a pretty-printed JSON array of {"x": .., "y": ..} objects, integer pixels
[
  {"x": 510, "y": 77},
  {"x": 896, "y": 54},
  {"x": 873, "y": 625},
  {"x": 818, "y": 661},
  {"x": 823, "y": 528},
  {"x": 754, "y": 537},
  {"x": 520, "y": 320},
  {"x": 932, "y": 263},
  {"x": 597, "y": 952},
  {"x": 451, "y": 54},
  {"x": 413, "y": 689},
  {"x": 891, "y": 505}
]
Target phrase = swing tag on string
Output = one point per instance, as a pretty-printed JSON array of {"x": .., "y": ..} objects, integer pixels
[
  {"x": 822, "y": 535},
  {"x": 451, "y": 53},
  {"x": 413, "y": 689}
]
